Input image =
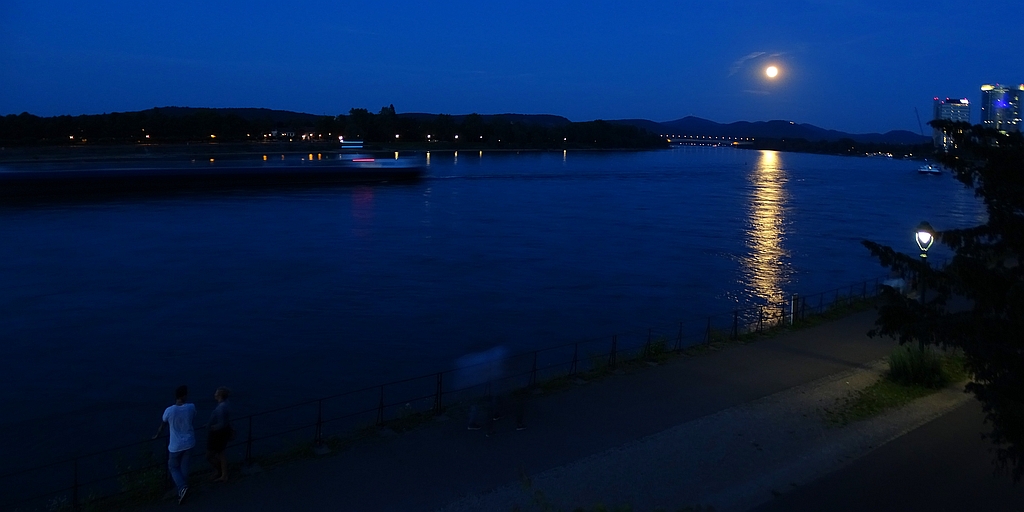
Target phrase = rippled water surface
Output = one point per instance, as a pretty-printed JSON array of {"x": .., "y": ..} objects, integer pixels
[{"x": 107, "y": 306}]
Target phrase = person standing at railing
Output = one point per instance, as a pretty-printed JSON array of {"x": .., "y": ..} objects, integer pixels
[
  {"x": 484, "y": 368},
  {"x": 178, "y": 418},
  {"x": 220, "y": 432}
]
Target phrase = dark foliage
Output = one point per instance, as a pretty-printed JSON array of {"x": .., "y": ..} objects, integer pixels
[
  {"x": 175, "y": 125},
  {"x": 986, "y": 270}
]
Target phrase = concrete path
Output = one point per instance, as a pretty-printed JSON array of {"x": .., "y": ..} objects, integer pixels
[
  {"x": 946, "y": 465},
  {"x": 731, "y": 429}
]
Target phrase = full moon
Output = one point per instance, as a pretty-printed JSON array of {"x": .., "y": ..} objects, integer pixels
[{"x": 772, "y": 71}]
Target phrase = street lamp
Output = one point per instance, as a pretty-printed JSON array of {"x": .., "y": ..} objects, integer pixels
[{"x": 925, "y": 237}]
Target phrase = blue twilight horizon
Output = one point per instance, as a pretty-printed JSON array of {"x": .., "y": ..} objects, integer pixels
[{"x": 844, "y": 65}]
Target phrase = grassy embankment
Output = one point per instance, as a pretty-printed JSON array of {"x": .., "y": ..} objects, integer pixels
[{"x": 914, "y": 372}]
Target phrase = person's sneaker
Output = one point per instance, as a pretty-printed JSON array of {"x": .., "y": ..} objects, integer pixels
[
  {"x": 181, "y": 494},
  {"x": 473, "y": 426}
]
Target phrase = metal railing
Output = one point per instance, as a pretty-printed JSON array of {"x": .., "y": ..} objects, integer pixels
[{"x": 140, "y": 468}]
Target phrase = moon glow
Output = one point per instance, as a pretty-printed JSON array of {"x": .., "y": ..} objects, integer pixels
[{"x": 771, "y": 71}]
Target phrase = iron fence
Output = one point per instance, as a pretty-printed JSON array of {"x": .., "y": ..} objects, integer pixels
[{"x": 140, "y": 468}]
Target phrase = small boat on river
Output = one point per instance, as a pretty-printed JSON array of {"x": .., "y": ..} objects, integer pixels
[
  {"x": 929, "y": 169},
  {"x": 75, "y": 179}
]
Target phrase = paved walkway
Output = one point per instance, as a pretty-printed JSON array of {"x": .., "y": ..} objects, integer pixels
[{"x": 733, "y": 429}]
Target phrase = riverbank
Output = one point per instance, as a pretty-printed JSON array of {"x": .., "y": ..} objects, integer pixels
[
  {"x": 27, "y": 154},
  {"x": 731, "y": 430}
]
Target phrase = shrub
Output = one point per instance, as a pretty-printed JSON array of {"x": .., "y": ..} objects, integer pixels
[{"x": 917, "y": 366}]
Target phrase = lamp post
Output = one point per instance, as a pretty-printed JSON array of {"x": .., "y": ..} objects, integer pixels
[{"x": 925, "y": 237}]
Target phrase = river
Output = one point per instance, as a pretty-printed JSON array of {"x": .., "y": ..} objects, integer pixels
[{"x": 285, "y": 296}]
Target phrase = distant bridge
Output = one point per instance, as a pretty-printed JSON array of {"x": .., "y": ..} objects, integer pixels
[{"x": 708, "y": 140}]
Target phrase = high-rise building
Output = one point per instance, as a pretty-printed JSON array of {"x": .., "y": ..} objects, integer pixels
[
  {"x": 1000, "y": 107},
  {"x": 958, "y": 110}
]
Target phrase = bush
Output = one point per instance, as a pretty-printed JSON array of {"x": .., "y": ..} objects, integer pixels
[{"x": 917, "y": 366}]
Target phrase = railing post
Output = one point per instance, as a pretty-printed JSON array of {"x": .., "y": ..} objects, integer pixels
[
  {"x": 679, "y": 339},
  {"x": 318, "y": 436},
  {"x": 735, "y": 324},
  {"x": 611, "y": 355},
  {"x": 792, "y": 309},
  {"x": 533, "y": 371},
  {"x": 248, "y": 444},
  {"x": 380, "y": 407},
  {"x": 167, "y": 469},
  {"x": 74, "y": 488},
  {"x": 438, "y": 394},
  {"x": 760, "y": 319},
  {"x": 575, "y": 358}
]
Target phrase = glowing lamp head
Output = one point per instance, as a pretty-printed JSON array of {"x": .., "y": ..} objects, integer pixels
[{"x": 925, "y": 237}]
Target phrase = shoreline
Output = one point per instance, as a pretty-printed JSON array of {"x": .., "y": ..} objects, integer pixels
[{"x": 62, "y": 153}]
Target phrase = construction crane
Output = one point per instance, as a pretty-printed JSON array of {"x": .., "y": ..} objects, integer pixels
[{"x": 920, "y": 127}]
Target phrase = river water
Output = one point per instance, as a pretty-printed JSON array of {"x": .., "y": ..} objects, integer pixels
[{"x": 105, "y": 307}]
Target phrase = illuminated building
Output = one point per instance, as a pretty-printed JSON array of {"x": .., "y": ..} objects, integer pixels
[
  {"x": 957, "y": 110},
  {"x": 1000, "y": 107}
]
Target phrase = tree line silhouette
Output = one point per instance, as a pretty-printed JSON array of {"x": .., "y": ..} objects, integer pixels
[{"x": 175, "y": 126}]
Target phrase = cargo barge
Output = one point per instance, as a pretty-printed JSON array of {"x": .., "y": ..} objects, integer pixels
[{"x": 67, "y": 180}]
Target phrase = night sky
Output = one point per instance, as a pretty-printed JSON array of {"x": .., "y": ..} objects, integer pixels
[{"x": 856, "y": 66}]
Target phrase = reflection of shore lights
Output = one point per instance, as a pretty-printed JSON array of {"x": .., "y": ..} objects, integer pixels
[{"x": 772, "y": 71}]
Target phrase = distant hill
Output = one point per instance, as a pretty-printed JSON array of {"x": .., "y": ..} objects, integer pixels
[
  {"x": 545, "y": 120},
  {"x": 287, "y": 116},
  {"x": 249, "y": 114},
  {"x": 769, "y": 129},
  {"x": 686, "y": 126},
  {"x": 186, "y": 123}
]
